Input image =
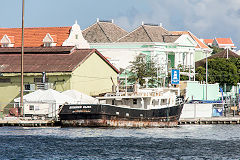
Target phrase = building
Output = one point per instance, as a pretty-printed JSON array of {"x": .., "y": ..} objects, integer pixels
[
  {"x": 225, "y": 43},
  {"x": 208, "y": 42},
  {"x": 201, "y": 50},
  {"x": 167, "y": 49},
  {"x": 64, "y": 68},
  {"x": 43, "y": 37}
]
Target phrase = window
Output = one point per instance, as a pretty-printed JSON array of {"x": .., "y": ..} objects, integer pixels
[
  {"x": 47, "y": 44},
  {"x": 29, "y": 87},
  {"x": 163, "y": 101},
  {"x": 31, "y": 107},
  {"x": 5, "y": 80},
  {"x": 37, "y": 108},
  {"x": 5, "y": 45},
  {"x": 134, "y": 101}
]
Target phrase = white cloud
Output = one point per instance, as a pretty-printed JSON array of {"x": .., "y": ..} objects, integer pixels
[{"x": 205, "y": 18}]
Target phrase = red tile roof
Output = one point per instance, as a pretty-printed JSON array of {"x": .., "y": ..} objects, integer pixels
[
  {"x": 11, "y": 39},
  {"x": 207, "y": 41},
  {"x": 66, "y": 61},
  {"x": 33, "y": 37},
  {"x": 224, "y": 40},
  {"x": 200, "y": 44},
  {"x": 54, "y": 37}
]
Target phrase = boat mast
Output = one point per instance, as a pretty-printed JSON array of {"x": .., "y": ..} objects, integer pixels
[{"x": 22, "y": 53}]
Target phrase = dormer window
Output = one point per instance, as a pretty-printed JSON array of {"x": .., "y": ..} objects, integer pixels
[
  {"x": 47, "y": 44},
  {"x": 7, "y": 41},
  {"x": 5, "y": 45},
  {"x": 49, "y": 41}
]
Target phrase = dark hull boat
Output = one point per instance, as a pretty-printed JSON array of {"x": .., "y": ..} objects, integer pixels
[
  {"x": 97, "y": 115},
  {"x": 148, "y": 108}
]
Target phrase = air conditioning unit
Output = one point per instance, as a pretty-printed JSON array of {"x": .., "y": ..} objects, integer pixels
[
  {"x": 44, "y": 86},
  {"x": 29, "y": 87}
]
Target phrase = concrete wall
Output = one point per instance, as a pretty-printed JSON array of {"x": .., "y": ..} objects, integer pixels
[
  {"x": 196, "y": 91},
  {"x": 197, "y": 111}
]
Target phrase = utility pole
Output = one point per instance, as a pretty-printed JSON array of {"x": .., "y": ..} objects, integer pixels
[
  {"x": 206, "y": 74},
  {"x": 22, "y": 53}
]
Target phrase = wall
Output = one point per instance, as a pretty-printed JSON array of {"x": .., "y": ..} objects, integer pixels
[
  {"x": 10, "y": 91},
  {"x": 93, "y": 76},
  {"x": 197, "y": 111},
  {"x": 197, "y": 91},
  {"x": 43, "y": 108}
]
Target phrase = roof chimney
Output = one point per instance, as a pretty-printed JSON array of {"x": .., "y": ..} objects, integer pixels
[
  {"x": 97, "y": 19},
  {"x": 142, "y": 23},
  {"x": 160, "y": 24},
  {"x": 112, "y": 20}
]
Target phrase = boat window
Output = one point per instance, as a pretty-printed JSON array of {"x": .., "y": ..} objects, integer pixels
[
  {"x": 37, "y": 108},
  {"x": 155, "y": 102},
  {"x": 31, "y": 107},
  {"x": 134, "y": 101},
  {"x": 163, "y": 101}
]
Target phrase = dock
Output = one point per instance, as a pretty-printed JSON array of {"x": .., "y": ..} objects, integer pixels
[
  {"x": 27, "y": 123},
  {"x": 212, "y": 120}
]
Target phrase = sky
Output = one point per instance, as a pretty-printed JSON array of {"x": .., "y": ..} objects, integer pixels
[{"x": 204, "y": 18}]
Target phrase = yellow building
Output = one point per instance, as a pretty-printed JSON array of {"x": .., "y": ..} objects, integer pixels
[{"x": 64, "y": 68}]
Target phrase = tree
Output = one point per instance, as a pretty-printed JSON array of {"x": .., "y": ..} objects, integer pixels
[
  {"x": 182, "y": 69},
  {"x": 201, "y": 74},
  {"x": 220, "y": 70},
  {"x": 216, "y": 49},
  {"x": 142, "y": 68}
]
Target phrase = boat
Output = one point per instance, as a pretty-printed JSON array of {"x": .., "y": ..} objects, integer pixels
[{"x": 152, "y": 107}]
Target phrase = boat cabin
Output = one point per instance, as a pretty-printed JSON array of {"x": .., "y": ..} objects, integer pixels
[{"x": 143, "y": 99}]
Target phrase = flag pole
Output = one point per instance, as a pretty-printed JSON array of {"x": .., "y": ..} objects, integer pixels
[{"x": 22, "y": 53}]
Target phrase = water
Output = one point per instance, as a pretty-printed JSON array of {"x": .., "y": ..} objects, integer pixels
[{"x": 185, "y": 142}]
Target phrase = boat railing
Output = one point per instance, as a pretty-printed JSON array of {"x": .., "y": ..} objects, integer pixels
[{"x": 142, "y": 94}]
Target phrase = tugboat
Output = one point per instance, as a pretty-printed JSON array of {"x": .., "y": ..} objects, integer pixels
[{"x": 152, "y": 107}]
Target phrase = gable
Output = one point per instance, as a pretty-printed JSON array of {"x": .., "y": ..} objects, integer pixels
[
  {"x": 48, "y": 38},
  {"x": 186, "y": 40},
  {"x": 5, "y": 39},
  {"x": 199, "y": 43}
]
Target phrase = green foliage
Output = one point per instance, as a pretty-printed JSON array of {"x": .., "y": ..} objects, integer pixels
[
  {"x": 182, "y": 69},
  {"x": 220, "y": 70},
  {"x": 142, "y": 68},
  {"x": 216, "y": 49},
  {"x": 201, "y": 74}
]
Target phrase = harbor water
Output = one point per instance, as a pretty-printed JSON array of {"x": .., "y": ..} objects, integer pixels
[{"x": 184, "y": 142}]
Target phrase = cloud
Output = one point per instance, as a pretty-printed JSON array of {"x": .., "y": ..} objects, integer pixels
[{"x": 205, "y": 18}]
